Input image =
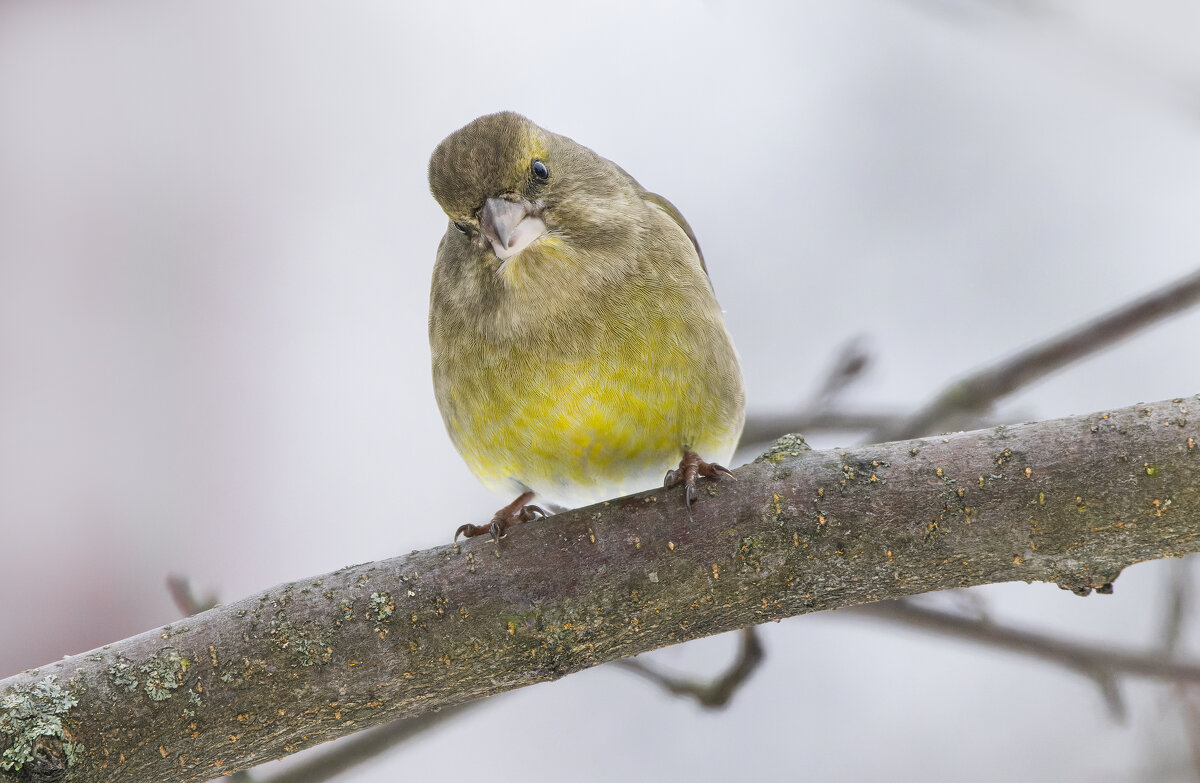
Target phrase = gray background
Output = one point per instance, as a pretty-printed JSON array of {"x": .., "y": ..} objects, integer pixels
[{"x": 215, "y": 251}]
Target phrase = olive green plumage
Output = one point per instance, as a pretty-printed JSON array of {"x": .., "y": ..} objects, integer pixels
[{"x": 577, "y": 346}]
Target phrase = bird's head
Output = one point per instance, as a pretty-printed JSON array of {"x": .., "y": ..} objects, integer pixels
[{"x": 505, "y": 183}]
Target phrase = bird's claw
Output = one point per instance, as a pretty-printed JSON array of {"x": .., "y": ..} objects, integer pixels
[
  {"x": 690, "y": 468},
  {"x": 513, "y": 514},
  {"x": 468, "y": 531}
]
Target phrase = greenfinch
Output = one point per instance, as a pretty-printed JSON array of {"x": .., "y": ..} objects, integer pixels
[{"x": 578, "y": 349}]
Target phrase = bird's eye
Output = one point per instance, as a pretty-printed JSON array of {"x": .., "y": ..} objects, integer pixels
[
  {"x": 540, "y": 172},
  {"x": 461, "y": 228}
]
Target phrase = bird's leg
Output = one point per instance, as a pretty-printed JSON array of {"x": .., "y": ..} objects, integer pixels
[
  {"x": 691, "y": 467},
  {"x": 516, "y": 512}
]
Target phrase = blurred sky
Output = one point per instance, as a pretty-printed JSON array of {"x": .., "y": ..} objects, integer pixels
[{"x": 215, "y": 250}]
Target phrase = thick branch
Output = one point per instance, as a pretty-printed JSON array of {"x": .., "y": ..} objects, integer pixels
[{"x": 1071, "y": 501}]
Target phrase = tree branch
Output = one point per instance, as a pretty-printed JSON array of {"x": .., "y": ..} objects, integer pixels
[
  {"x": 973, "y": 395},
  {"x": 1071, "y": 501}
]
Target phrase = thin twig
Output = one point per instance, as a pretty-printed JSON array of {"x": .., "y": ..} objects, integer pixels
[
  {"x": 1179, "y": 604},
  {"x": 976, "y": 393},
  {"x": 820, "y": 413},
  {"x": 711, "y": 695},
  {"x": 1087, "y": 659},
  {"x": 766, "y": 427},
  {"x": 850, "y": 362},
  {"x": 185, "y": 598}
]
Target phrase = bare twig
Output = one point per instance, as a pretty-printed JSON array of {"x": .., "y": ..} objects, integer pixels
[
  {"x": 851, "y": 361},
  {"x": 1087, "y": 659},
  {"x": 974, "y": 394},
  {"x": 1179, "y": 604},
  {"x": 821, "y": 412},
  {"x": 763, "y": 428},
  {"x": 717, "y": 693},
  {"x": 185, "y": 598}
]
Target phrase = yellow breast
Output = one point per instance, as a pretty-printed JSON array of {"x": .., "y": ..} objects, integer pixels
[{"x": 579, "y": 418}]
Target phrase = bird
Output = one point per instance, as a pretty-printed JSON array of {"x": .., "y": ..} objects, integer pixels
[{"x": 577, "y": 346}]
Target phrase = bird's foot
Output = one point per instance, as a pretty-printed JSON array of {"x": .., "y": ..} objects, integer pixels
[
  {"x": 516, "y": 512},
  {"x": 690, "y": 468}
]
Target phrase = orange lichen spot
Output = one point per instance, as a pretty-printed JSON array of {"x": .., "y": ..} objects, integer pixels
[
  {"x": 940, "y": 473},
  {"x": 820, "y": 492},
  {"x": 795, "y": 539},
  {"x": 591, "y": 536},
  {"x": 820, "y": 519},
  {"x": 716, "y": 571},
  {"x": 874, "y": 477},
  {"x": 162, "y": 751},
  {"x": 671, "y": 545},
  {"x": 1017, "y": 560},
  {"x": 1028, "y": 471}
]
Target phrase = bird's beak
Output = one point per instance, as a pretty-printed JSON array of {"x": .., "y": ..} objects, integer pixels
[{"x": 510, "y": 225}]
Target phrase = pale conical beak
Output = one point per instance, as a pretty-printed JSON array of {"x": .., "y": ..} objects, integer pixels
[{"x": 509, "y": 225}]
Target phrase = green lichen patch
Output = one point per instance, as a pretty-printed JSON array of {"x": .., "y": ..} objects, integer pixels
[
  {"x": 163, "y": 673},
  {"x": 194, "y": 702},
  {"x": 31, "y": 718},
  {"x": 783, "y": 448},
  {"x": 123, "y": 674},
  {"x": 308, "y": 644},
  {"x": 383, "y": 606}
]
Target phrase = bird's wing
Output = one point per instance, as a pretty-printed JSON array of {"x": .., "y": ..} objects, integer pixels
[{"x": 666, "y": 206}]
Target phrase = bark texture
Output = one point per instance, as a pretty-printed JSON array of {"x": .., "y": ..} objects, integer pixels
[{"x": 1071, "y": 501}]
